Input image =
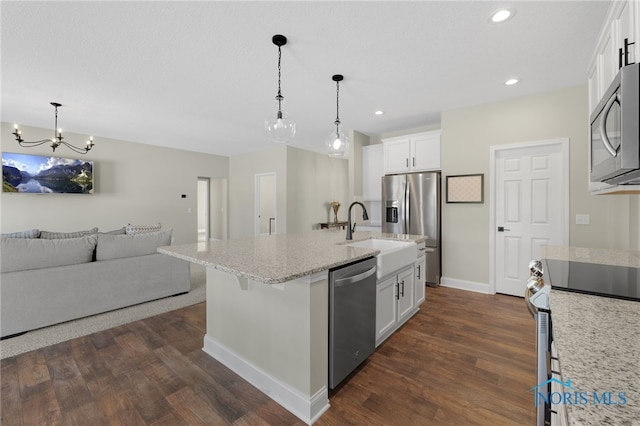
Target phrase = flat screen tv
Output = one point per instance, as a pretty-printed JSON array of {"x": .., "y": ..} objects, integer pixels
[{"x": 37, "y": 174}]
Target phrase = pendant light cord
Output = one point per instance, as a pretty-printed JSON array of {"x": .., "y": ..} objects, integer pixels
[
  {"x": 337, "y": 122},
  {"x": 279, "y": 96}
]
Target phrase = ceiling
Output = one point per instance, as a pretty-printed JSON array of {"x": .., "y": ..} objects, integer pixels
[{"x": 202, "y": 76}]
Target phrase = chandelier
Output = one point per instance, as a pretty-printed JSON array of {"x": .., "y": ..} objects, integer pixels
[
  {"x": 337, "y": 142},
  {"x": 56, "y": 141},
  {"x": 280, "y": 128}
]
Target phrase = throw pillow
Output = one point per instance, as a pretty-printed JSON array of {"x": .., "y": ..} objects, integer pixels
[
  {"x": 21, "y": 254},
  {"x": 118, "y": 246},
  {"x": 30, "y": 233},
  {"x": 142, "y": 229},
  {"x": 59, "y": 235}
]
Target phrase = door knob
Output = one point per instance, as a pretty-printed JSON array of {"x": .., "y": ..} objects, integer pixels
[{"x": 502, "y": 229}]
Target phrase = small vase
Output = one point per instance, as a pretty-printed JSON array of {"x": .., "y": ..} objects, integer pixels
[{"x": 336, "y": 206}]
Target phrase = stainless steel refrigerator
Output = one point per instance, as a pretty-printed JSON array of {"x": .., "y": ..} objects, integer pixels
[{"x": 411, "y": 205}]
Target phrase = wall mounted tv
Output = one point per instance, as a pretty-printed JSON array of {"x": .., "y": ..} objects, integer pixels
[{"x": 37, "y": 174}]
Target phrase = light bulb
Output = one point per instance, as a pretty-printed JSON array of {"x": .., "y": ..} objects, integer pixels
[
  {"x": 337, "y": 144},
  {"x": 280, "y": 128}
]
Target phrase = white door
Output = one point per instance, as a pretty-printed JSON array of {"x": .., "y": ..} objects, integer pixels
[
  {"x": 531, "y": 207},
  {"x": 265, "y": 204}
]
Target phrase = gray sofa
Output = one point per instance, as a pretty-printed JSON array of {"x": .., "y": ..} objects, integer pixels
[{"x": 49, "y": 281}]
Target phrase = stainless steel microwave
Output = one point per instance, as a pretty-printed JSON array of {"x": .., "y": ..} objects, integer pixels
[{"x": 615, "y": 131}]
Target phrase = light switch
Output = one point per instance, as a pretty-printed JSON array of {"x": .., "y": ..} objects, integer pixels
[{"x": 582, "y": 219}]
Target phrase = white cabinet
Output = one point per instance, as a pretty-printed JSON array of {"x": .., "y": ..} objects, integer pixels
[
  {"x": 372, "y": 172},
  {"x": 622, "y": 23},
  {"x": 421, "y": 264},
  {"x": 412, "y": 153},
  {"x": 396, "y": 155},
  {"x": 395, "y": 302}
]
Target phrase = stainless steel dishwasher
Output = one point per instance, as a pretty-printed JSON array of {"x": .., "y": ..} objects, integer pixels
[{"x": 352, "y": 317}]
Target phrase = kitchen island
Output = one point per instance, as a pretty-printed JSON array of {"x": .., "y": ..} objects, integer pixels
[
  {"x": 267, "y": 309},
  {"x": 598, "y": 343}
]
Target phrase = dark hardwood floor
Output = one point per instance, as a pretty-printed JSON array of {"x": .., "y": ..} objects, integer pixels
[{"x": 464, "y": 359}]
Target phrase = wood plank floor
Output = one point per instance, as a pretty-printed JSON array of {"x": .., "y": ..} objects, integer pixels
[{"x": 464, "y": 359}]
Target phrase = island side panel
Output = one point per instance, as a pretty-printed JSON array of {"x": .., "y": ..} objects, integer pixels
[{"x": 281, "y": 329}]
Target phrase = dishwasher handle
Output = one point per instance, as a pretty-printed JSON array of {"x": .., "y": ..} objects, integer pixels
[{"x": 350, "y": 280}]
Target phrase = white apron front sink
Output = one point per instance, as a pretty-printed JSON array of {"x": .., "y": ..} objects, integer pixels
[{"x": 393, "y": 254}]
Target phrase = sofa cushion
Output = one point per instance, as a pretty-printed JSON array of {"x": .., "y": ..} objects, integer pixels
[
  {"x": 57, "y": 235},
  {"x": 21, "y": 254},
  {"x": 30, "y": 233},
  {"x": 119, "y": 231},
  {"x": 142, "y": 229},
  {"x": 119, "y": 246}
]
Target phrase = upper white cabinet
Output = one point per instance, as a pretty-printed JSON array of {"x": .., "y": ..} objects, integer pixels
[
  {"x": 412, "y": 153},
  {"x": 372, "y": 172},
  {"x": 622, "y": 22}
]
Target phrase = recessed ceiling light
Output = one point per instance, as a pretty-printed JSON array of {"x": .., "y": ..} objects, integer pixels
[
  {"x": 379, "y": 112},
  {"x": 501, "y": 15},
  {"x": 511, "y": 82}
]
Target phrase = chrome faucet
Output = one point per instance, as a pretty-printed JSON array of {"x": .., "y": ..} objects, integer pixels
[{"x": 365, "y": 216}]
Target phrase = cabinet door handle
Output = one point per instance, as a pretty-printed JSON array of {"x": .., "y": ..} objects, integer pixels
[
  {"x": 397, "y": 291},
  {"x": 414, "y": 161},
  {"x": 419, "y": 271},
  {"x": 402, "y": 288},
  {"x": 407, "y": 161}
]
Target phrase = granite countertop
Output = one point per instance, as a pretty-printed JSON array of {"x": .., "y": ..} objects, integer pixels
[
  {"x": 278, "y": 258},
  {"x": 598, "y": 342}
]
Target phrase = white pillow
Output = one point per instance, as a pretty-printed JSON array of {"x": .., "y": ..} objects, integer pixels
[
  {"x": 142, "y": 229},
  {"x": 119, "y": 246},
  {"x": 21, "y": 254}
]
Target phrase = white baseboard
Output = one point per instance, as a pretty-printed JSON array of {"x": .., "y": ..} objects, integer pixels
[
  {"x": 308, "y": 409},
  {"x": 466, "y": 285}
]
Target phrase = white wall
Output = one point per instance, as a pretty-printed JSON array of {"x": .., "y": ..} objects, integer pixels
[
  {"x": 314, "y": 180},
  {"x": 467, "y": 135},
  {"x": 306, "y": 183},
  {"x": 134, "y": 183},
  {"x": 242, "y": 171}
]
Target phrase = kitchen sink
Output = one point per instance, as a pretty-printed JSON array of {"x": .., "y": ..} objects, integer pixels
[{"x": 393, "y": 254}]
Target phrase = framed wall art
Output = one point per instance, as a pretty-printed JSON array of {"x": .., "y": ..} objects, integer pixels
[
  {"x": 37, "y": 174},
  {"x": 465, "y": 189}
]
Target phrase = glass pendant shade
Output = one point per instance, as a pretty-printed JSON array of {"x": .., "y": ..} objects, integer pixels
[
  {"x": 280, "y": 128},
  {"x": 337, "y": 144}
]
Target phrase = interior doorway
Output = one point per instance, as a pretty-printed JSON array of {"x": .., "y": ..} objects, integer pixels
[
  {"x": 203, "y": 205},
  {"x": 265, "y": 204},
  {"x": 212, "y": 209},
  {"x": 529, "y": 208}
]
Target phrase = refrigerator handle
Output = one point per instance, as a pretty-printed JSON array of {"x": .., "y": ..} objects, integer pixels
[{"x": 405, "y": 225}]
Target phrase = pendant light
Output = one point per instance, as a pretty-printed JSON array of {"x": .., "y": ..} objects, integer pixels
[
  {"x": 337, "y": 142},
  {"x": 280, "y": 128}
]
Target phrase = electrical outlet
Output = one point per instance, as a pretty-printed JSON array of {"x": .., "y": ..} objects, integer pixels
[{"x": 582, "y": 219}]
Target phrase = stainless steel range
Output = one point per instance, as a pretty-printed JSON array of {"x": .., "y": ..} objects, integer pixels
[
  {"x": 537, "y": 299},
  {"x": 622, "y": 282}
]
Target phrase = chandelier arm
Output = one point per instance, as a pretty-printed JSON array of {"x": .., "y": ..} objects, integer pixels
[
  {"x": 75, "y": 148},
  {"x": 28, "y": 144}
]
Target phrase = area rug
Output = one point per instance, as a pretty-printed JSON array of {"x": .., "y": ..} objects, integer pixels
[{"x": 81, "y": 327}]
